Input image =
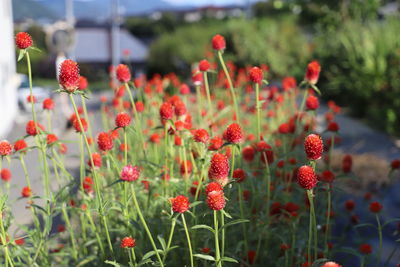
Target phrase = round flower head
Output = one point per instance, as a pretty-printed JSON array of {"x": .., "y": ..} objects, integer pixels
[
  {"x": 5, "y": 148},
  {"x": 239, "y": 175},
  {"x": 186, "y": 168},
  {"x": 288, "y": 83},
  {"x": 233, "y": 134},
  {"x": 130, "y": 173},
  {"x": 213, "y": 186},
  {"x": 332, "y": 126},
  {"x": 395, "y": 164},
  {"x": 77, "y": 125},
  {"x": 347, "y": 163},
  {"x": 83, "y": 83},
  {"x": 365, "y": 249},
  {"x": 32, "y": 129},
  {"x": 312, "y": 73},
  {"x": 128, "y": 242},
  {"x": 23, "y": 40},
  {"x": 215, "y": 143},
  {"x": 375, "y": 207},
  {"x": 200, "y": 136},
  {"x": 20, "y": 145},
  {"x": 68, "y": 76},
  {"x": 123, "y": 73},
  {"x": 256, "y": 75},
  {"x": 48, "y": 104},
  {"x": 331, "y": 264},
  {"x": 122, "y": 119},
  {"x": 166, "y": 111},
  {"x": 180, "y": 204},
  {"x": 51, "y": 139},
  {"x": 6, "y": 175},
  {"x": 184, "y": 89},
  {"x": 219, "y": 168},
  {"x": 216, "y": 200},
  {"x": 350, "y": 205},
  {"x": 312, "y": 102},
  {"x": 248, "y": 153},
  {"x": 313, "y": 146},
  {"x": 218, "y": 42},
  {"x": 204, "y": 65},
  {"x": 26, "y": 191},
  {"x": 327, "y": 176},
  {"x": 306, "y": 177},
  {"x": 104, "y": 141}
]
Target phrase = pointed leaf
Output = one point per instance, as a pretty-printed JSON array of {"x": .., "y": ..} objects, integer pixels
[{"x": 204, "y": 257}]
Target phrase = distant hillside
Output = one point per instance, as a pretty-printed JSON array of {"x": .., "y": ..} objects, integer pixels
[{"x": 23, "y": 9}]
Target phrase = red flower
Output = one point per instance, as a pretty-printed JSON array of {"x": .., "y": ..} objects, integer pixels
[
  {"x": 327, "y": 176},
  {"x": 213, "y": 186},
  {"x": 20, "y": 145},
  {"x": 63, "y": 148},
  {"x": 166, "y": 111},
  {"x": 123, "y": 73},
  {"x": 6, "y": 175},
  {"x": 155, "y": 138},
  {"x": 96, "y": 160},
  {"x": 256, "y": 75},
  {"x": 104, "y": 141},
  {"x": 239, "y": 175},
  {"x": 31, "y": 99},
  {"x": 331, "y": 264},
  {"x": 347, "y": 163},
  {"x": 248, "y": 153},
  {"x": 68, "y": 76},
  {"x": 306, "y": 177},
  {"x": 365, "y": 249},
  {"x": 128, "y": 242},
  {"x": 180, "y": 108},
  {"x": 48, "y": 104},
  {"x": 51, "y": 139},
  {"x": 204, "y": 65},
  {"x": 180, "y": 204},
  {"x": 233, "y": 134},
  {"x": 313, "y": 146},
  {"x": 219, "y": 168},
  {"x": 19, "y": 242},
  {"x": 395, "y": 164},
  {"x": 130, "y": 173},
  {"x": 186, "y": 169},
  {"x": 215, "y": 143},
  {"x": 375, "y": 207},
  {"x": 184, "y": 89},
  {"x": 87, "y": 184},
  {"x": 288, "y": 83},
  {"x": 23, "y": 40},
  {"x": 218, "y": 42},
  {"x": 61, "y": 228},
  {"x": 83, "y": 83},
  {"x": 216, "y": 200},
  {"x": 251, "y": 255},
  {"x": 333, "y": 127},
  {"x": 350, "y": 205},
  {"x": 5, "y": 148},
  {"x": 122, "y": 119},
  {"x": 312, "y": 102},
  {"x": 31, "y": 129},
  {"x": 77, "y": 125},
  {"x": 284, "y": 247},
  {"x": 200, "y": 136},
  {"x": 283, "y": 128},
  {"x": 26, "y": 191},
  {"x": 312, "y": 73},
  {"x": 139, "y": 106}
]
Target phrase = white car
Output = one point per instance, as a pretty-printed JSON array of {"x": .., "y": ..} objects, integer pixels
[{"x": 40, "y": 94}]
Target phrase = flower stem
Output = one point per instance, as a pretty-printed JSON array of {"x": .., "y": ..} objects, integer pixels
[
  {"x": 328, "y": 216},
  {"x": 217, "y": 253},
  {"x": 242, "y": 216},
  {"x": 71, "y": 232},
  {"x": 28, "y": 61},
  {"x": 380, "y": 239},
  {"x": 207, "y": 92},
  {"x": 188, "y": 240},
  {"x": 171, "y": 234},
  {"x": 258, "y": 108},
  {"x": 310, "y": 226}
]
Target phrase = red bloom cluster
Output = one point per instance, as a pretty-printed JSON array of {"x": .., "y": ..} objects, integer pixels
[
  {"x": 186, "y": 168},
  {"x": 256, "y": 75},
  {"x": 216, "y": 200},
  {"x": 375, "y": 207},
  {"x": 23, "y": 40},
  {"x": 239, "y": 175},
  {"x": 312, "y": 102},
  {"x": 122, "y": 119},
  {"x": 219, "y": 169},
  {"x": 166, "y": 111},
  {"x": 68, "y": 76},
  {"x": 233, "y": 134},
  {"x": 5, "y": 148},
  {"x": 200, "y": 136},
  {"x": 130, "y": 173},
  {"x": 83, "y": 83},
  {"x": 347, "y": 163},
  {"x": 215, "y": 143},
  {"x": 48, "y": 104},
  {"x": 6, "y": 175},
  {"x": 32, "y": 129},
  {"x": 104, "y": 141},
  {"x": 123, "y": 73},
  {"x": 128, "y": 242},
  {"x": 26, "y": 192},
  {"x": 306, "y": 177},
  {"x": 218, "y": 42},
  {"x": 180, "y": 204},
  {"x": 204, "y": 65},
  {"x": 365, "y": 249},
  {"x": 77, "y": 125},
  {"x": 51, "y": 139},
  {"x": 313, "y": 146},
  {"x": 312, "y": 73}
]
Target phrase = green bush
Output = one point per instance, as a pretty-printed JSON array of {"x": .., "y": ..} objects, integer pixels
[{"x": 362, "y": 70}]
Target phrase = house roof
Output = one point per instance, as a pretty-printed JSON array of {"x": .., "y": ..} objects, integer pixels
[{"x": 93, "y": 45}]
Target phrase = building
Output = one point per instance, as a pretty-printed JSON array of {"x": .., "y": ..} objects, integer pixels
[{"x": 9, "y": 80}]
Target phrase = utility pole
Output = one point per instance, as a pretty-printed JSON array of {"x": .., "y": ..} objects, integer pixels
[{"x": 115, "y": 33}]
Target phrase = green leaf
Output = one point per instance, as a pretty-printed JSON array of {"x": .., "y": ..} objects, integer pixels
[
  {"x": 162, "y": 242},
  {"x": 39, "y": 207},
  {"x": 318, "y": 262},
  {"x": 194, "y": 204},
  {"x": 226, "y": 214},
  {"x": 204, "y": 257},
  {"x": 203, "y": 226},
  {"x": 113, "y": 263},
  {"x": 316, "y": 89},
  {"x": 21, "y": 55},
  {"x": 390, "y": 221},
  {"x": 144, "y": 262},
  {"x": 365, "y": 224},
  {"x": 265, "y": 82},
  {"x": 151, "y": 253},
  {"x": 86, "y": 260},
  {"x": 235, "y": 222},
  {"x": 35, "y": 49},
  {"x": 228, "y": 259}
]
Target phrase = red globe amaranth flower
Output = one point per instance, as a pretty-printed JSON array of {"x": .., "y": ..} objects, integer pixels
[
  {"x": 205, "y": 250},
  {"x": 200, "y": 136},
  {"x": 283, "y": 128},
  {"x": 51, "y": 139},
  {"x": 233, "y": 134},
  {"x": 332, "y": 127},
  {"x": 48, "y": 104},
  {"x": 130, "y": 173},
  {"x": 327, "y": 176},
  {"x": 347, "y": 163},
  {"x": 5, "y": 175},
  {"x": 23, "y": 40},
  {"x": 251, "y": 255},
  {"x": 284, "y": 247},
  {"x": 331, "y": 264},
  {"x": 204, "y": 65},
  {"x": 5, "y": 148},
  {"x": 77, "y": 125},
  {"x": 63, "y": 149},
  {"x": 122, "y": 119},
  {"x": 31, "y": 99},
  {"x": 312, "y": 74},
  {"x": 219, "y": 169},
  {"x": 248, "y": 153},
  {"x": 19, "y": 241},
  {"x": 68, "y": 75},
  {"x": 312, "y": 102},
  {"x": 213, "y": 186},
  {"x": 128, "y": 242},
  {"x": 61, "y": 228},
  {"x": 288, "y": 83},
  {"x": 218, "y": 42},
  {"x": 215, "y": 143},
  {"x": 123, "y": 73},
  {"x": 180, "y": 204},
  {"x": 166, "y": 111},
  {"x": 395, "y": 164},
  {"x": 306, "y": 177},
  {"x": 375, "y": 207},
  {"x": 184, "y": 89},
  {"x": 365, "y": 249},
  {"x": 180, "y": 108},
  {"x": 313, "y": 146},
  {"x": 20, "y": 145},
  {"x": 256, "y": 75},
  {"x": 104, "y": 141},
  {"x": 186, "y": 168},
  {"x": 239, "y": 175},
  {"x": 26, "y": 191},
  {"x": 83, "y": 83},
  {"x": 87, "y": 184},
  {"x": 216, "y": 200},
  {"x": 350, "y": 205}
]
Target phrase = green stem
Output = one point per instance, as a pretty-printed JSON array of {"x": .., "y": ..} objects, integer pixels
[
  {"x": 71, "y": 232},
  {"x": 208, "y": 93},
  {"x": 310, "y": 227},
  {"x": 188, "y": 240},
  {"x": 380, "y": 239},
  {"x": 217, "y": 253},
  {"x": 258, "y": 108},
  {"x": 28, "y": 61},
  {"x": 223, "y": 234},
  {"x": 85, "y": 113},
  {"x": 242, "y": 216},
  {"x": 303, "y": 102},
  {"x": 171, "y": 234},
  {"x": 328, "y": 216}
]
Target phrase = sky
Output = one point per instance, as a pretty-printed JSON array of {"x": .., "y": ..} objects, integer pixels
[{"x": 206, "y": 2}]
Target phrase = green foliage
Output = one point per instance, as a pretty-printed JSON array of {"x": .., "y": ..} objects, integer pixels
[{"x": 361, "y": 69}]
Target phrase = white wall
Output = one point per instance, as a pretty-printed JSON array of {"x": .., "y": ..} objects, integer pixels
[{"x": 8, "y": 78}]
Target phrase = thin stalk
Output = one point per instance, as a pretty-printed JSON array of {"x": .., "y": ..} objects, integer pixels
[
  {"x": 188, "y": 240},
  {"x": 28, "y": 61},
  {"x": 310, "y": 227},
  {"x": 125, "y": 148},
  {"x": 303, "y": 102},
  {"x": 171, "y": 234},
  {"x": 258, "y": 108},
  {"x": 378, "y": 221},
  {"x": 3, "y": 237},
  {"x": 85, "y": 113},
  {"x": 223, "y": 234},
  {"x": 217, "y": 253},
  {"x": 268, "y": 182},
  {"x": 71, "y": 232},
  {"x": 242, "y": 216},
  {"x": 328, "y": 216},
  {"x": 207, "y": 92}
]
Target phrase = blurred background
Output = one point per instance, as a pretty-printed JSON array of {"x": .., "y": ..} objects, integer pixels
[{"x": 356, "y": 41}]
